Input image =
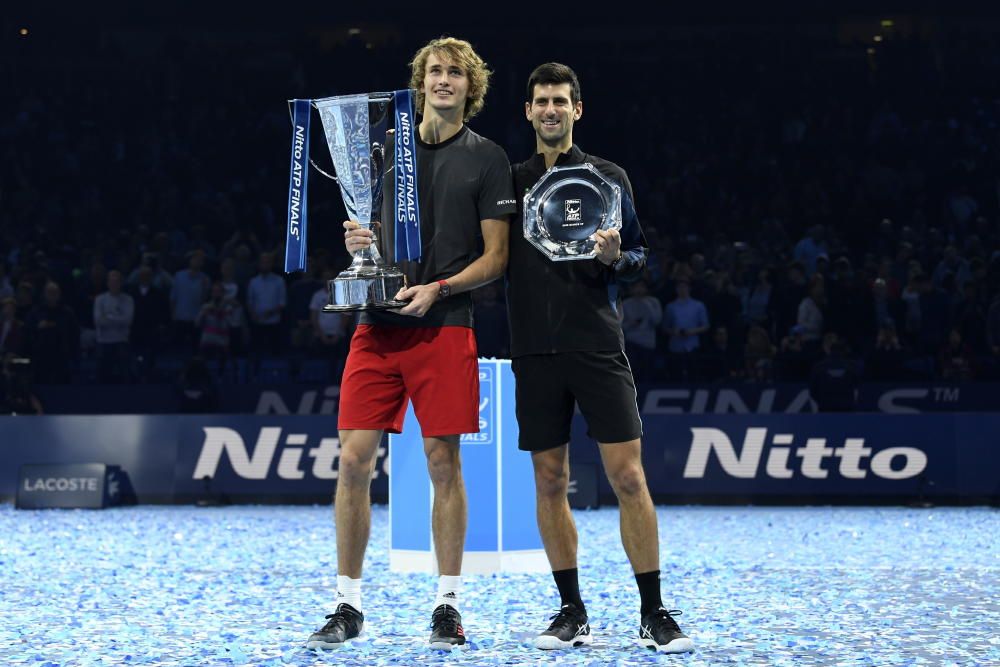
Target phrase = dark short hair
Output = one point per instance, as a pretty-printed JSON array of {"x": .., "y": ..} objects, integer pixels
[{"x": 554, "y": 73}]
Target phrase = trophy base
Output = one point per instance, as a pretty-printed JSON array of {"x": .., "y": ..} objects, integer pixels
[
  {"x": 367, "y": 288},
  {"x": 352, "y": 307}
]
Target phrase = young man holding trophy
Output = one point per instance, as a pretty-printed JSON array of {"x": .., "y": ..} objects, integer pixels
[
  {"x": 567, "y": 348},
  {"x": 424, "y": 350}
]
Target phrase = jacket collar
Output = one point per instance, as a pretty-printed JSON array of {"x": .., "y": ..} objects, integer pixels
[{"x": 573, "y": 156}]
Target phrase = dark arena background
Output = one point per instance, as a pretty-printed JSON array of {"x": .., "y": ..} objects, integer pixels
[{"x": 824, "y": 459}]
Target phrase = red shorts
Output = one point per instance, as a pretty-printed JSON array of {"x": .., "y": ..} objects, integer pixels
[{"x": 437, "y": 367}]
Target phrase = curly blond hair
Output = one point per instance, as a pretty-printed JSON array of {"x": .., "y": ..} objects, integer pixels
[{"x": 462, "y": 54}]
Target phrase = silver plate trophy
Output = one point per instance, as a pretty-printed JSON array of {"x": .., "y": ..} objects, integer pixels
[
  {"x": 565, "y": 208},
  {"x": 356, "y": 130}
]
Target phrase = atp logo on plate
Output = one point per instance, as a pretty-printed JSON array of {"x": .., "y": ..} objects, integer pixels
[{"x": 574, "y": 210}]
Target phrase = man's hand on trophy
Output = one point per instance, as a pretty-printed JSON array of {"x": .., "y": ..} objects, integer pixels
[
  {"x": 608, "y": 246},
  {"x": 356, "y": 238},
  {"x": 420, "y": 297}
]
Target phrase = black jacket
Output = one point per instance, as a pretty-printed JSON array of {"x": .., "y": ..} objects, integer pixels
[{"x": 568, "y": 306}]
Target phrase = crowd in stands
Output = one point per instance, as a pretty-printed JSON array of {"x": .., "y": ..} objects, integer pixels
[{"x": 801, "y": 198}]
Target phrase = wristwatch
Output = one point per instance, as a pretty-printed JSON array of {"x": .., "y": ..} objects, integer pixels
[
  {"x": 618, "y": 262},
  {"x": 444, "y": 289}
]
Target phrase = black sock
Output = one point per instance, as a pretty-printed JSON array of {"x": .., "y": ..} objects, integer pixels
[
  {"x": 568, "y": 582},
  {"x": 649, "y": 591}
]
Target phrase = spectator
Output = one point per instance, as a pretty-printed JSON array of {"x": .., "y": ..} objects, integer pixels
[
  {"x": 822, "y": 269},
  {"x": 331, "y": 331},
  {"x": 242, "y": 237},
  {"x": 911, "y": 300},
  {"x": 243, "y": 261},
  {"x": 113, "y": 314},
  {"x": 787, "y": 298},
  {"x": 190, "y": 287},
  {"x": 227, "y": 271},
  {"x": 6, "y": 289},
  {"x": 721, "y": 360},
  {"x": 892, "y": 286},
  {"x": 885, "y": 360},
  {"x": 642, "y": 314},
  {"x": 810, "y": 317},
  {"x": 848, "y": 303},
  {"x": 265, "y": 303},
  {"x": 758, "y": 350},
  {"x": 969, "y": 317},
  {"x": 697, "y": 270},
  {"x": 25, "y": 299},
  {"x": 955, "y": 265},
  {"x": 885, "y": 309},
  {"x": 955, "y": 358},
  {"x": 686, "y": 319},
  {"x": 200, "y": 243},
  {"x": 150, "y": 320},
  {"x": 725, "y": 308},
  {"x": 160, "y": 278},
  {"x": 833, "y": 383},
  {"x": 905, "y": 265},
  {"x": 238, "y": 331},
  {"x": 213, "y": 324},
  {"x": 52, "y": 338},
  {"x": 300, "y": 298},
  {"x": 810, "y": 248},
  {"x": 16, "y": 394},
  {"x": 794, "y": 359},
  {"x": 757, "y": 299},
  {"x": 935, "y": 314},
  {"x": 86, "y": 295},
  {"x": 11, "y": 328}
]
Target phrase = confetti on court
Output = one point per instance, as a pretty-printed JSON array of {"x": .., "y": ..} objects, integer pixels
[{"x": 162, "y": 585}]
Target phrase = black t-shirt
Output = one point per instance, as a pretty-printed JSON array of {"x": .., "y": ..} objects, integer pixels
[{"x": 460, "y": 182}]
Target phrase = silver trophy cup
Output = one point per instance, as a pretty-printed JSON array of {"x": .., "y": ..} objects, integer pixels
[{"x": 356, "y": 130}]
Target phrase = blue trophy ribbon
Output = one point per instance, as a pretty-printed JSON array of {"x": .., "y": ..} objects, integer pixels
[
  {"x": 295, "y": 245},
  {"x": 407, "y": 208}
]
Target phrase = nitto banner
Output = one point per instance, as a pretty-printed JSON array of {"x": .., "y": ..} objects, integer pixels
[
  {"x": 250, "y": 456},
  {"x": 688, "y": 457},
  {"x": 762, "y": 456}
]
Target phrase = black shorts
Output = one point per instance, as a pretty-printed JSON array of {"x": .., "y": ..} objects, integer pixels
[{"x": 548, "y": 386}]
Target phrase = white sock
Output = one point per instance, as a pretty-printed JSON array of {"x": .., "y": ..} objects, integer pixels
[
  {"x": 349, "y": 591},
  {"x": 448, "y": 591}
]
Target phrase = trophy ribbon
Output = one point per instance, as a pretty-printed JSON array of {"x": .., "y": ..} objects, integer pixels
[
  {"x": 295, "y": 245},
  {"x": 407, "y": 235}
]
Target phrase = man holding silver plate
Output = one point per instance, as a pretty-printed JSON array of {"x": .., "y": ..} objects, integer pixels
[
  {"x": 567, "y": 348},
  {"x": 416, "y": 342}
]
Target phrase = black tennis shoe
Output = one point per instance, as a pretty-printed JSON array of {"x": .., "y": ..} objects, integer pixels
[
  {"x": 342, "y": 626},
  {"x": 659, "y": 631},
  {"x": 569, "y": 628},
  {"x": 446, "y": 628}
]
